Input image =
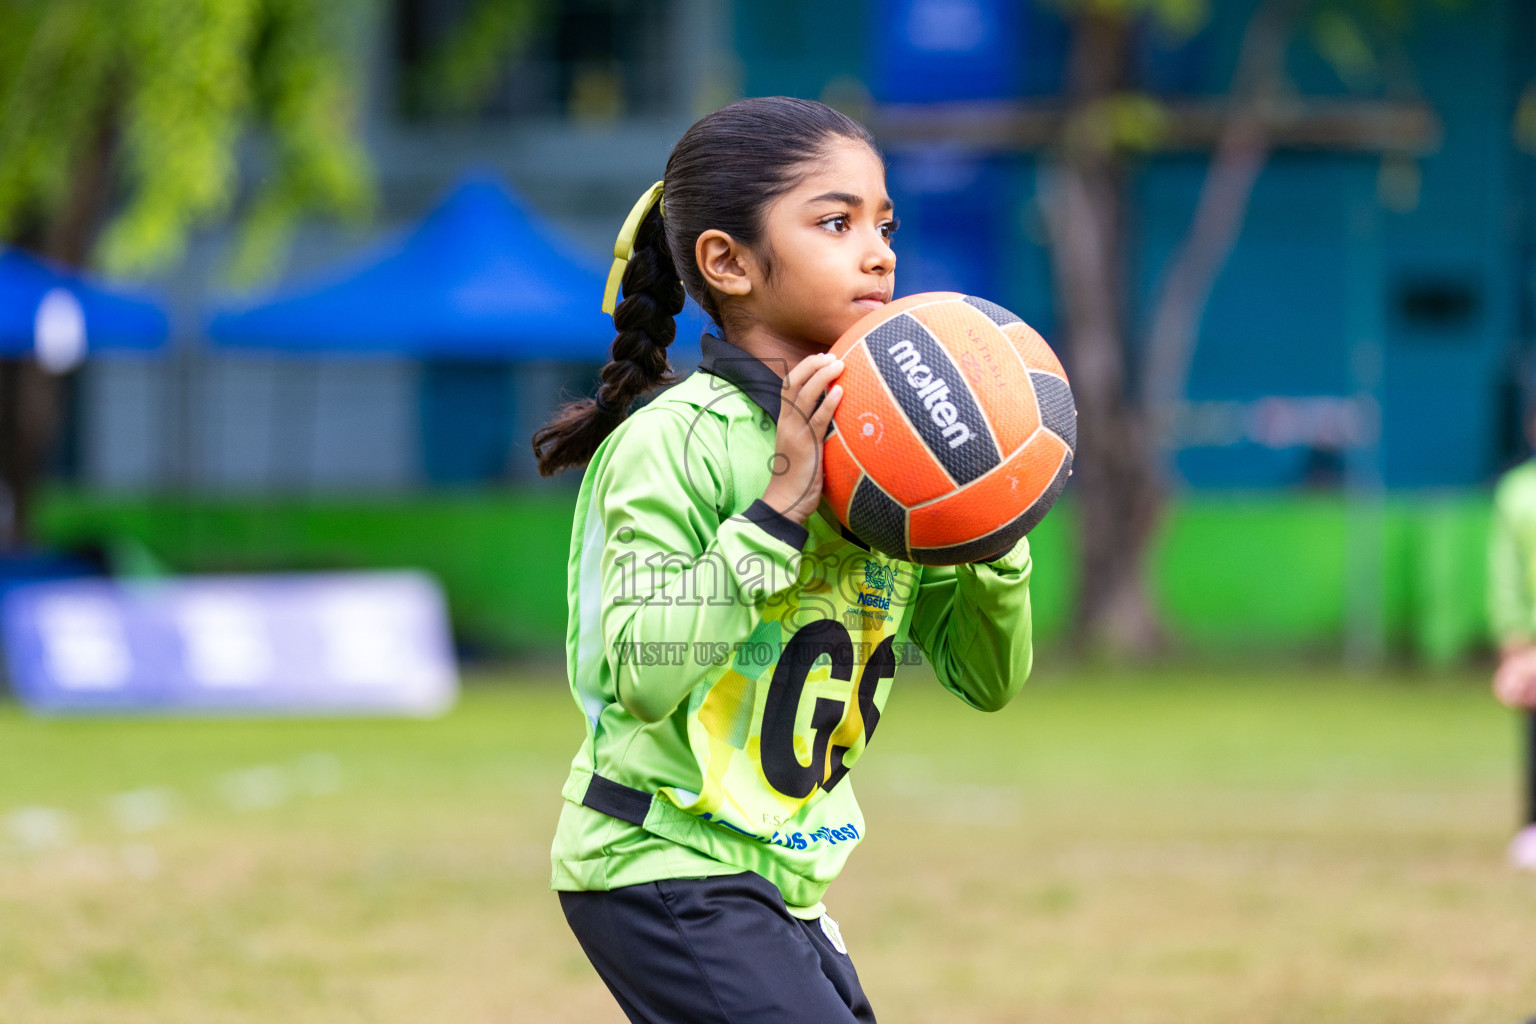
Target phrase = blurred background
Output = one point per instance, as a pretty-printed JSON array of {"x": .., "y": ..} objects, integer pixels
[
  {"x": 374, "y": 227},
  {"x": 287, "y": 285}
]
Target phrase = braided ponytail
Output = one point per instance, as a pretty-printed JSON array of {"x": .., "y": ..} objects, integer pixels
[
  {"x": 653, "y": 296},
  {"x": 722, "y": 175}
]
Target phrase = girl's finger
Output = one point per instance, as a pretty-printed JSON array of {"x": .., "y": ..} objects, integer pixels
[
  {"x": 823, "y": 415},
  {"x": 802, "y": 370},
  {"x": 1503, "y": 692},
  {"x": 813, "y": 389}
]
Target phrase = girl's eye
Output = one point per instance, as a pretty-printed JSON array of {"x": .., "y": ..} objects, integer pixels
[
  {"x": 837, "y": 224},
  {"x": 889, "y": 228}
]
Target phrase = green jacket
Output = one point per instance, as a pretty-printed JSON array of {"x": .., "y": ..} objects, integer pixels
[
  {"x": 732, "y": 665},
  {"x": 1512, "y": 557}
]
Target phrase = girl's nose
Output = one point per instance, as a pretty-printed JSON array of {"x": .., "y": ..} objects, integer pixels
[{"x": 881, "y": 256}]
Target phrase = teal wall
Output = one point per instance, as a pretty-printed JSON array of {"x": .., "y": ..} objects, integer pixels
[{"x": 1404, "y": 288}]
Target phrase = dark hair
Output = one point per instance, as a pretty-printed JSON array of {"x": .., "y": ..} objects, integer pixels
[{"x": 722, "y": 174}]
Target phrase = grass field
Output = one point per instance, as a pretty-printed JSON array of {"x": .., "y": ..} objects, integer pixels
[{"x": 1175, "y": 847}]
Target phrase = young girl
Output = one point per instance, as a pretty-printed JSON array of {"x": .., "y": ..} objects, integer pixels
[{"x": 731, "y": 646}]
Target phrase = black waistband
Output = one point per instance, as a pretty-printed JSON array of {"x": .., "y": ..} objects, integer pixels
[{"x": 617, "y": 800}]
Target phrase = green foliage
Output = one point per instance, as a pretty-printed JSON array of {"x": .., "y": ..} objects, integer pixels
[
  {"x": 171, "y": 87},
  {"x": 1524, "y": 127},
  {"x": 1341, "y": 42},
  {"x": 1176, "y": 17},
  {"x": 1350, "y": 35},
  {"x": 463, "y": 65},
  {"x": 310, "y": 102},
  {"x": 54, "y": 69},
  {"x": 1363, "y": 41},
  {"x": 1128, "y": 122}
]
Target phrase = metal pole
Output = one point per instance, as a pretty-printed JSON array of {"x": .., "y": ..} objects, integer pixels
[{"x": 1365, "y": 641}]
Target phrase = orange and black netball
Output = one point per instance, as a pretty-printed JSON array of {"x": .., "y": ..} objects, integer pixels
[{"x": 956, "y": 430}]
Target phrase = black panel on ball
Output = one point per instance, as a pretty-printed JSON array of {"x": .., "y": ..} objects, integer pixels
[
  {"x": 997, "y": 314},
  {"x": 1042, "y": 504},
  {"x": 1000, "y": 540},
  {"x": 878, "y": 520},
  {"x": 921, "y": 377},
  {"x": 1058, "y": 412}
]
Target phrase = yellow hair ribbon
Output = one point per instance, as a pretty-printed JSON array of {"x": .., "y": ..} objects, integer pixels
[{"x": 624, "y": 245}]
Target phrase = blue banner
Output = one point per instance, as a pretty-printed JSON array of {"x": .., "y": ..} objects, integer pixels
[
  {"x": 935, "y": 50},
  {"x": 322, "y": 644}
]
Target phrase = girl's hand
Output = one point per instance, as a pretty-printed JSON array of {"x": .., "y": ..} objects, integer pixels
[
  {"x": 1514, "y": 684},
  {"x": 796, "y": 488}
]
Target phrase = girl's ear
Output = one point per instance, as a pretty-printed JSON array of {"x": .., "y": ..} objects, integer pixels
[{"x": 724, "y": 262}]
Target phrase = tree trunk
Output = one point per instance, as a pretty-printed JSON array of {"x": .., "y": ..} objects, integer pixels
[
  {"x": 32, "y": 401},
  {"x": 1117, "y": 487},
  {"x": 1122, "y": 427},
  {"x": 1118, "y": 493},
  {"x": 29, "y": 409},
  {"x": 1241, "y": 152}
]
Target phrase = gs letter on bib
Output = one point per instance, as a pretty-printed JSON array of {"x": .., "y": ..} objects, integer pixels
[{"x": 781, "y": 764}]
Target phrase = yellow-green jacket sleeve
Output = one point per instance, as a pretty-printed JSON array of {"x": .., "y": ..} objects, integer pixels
[
  {"x": 1511, "y": 537},
  {"x": 678, "y": 569},
  {"x": 972, "y": 622}
]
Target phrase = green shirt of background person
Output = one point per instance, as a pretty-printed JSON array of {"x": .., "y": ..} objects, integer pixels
[
  {"x": 1512, "y": 586},
  {"x": 1512, "y": 617}
]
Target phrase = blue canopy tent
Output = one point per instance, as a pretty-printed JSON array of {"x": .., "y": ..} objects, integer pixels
[
  {"x": 60, "y": 317},
  {"x": 481, "y": 278},
  {"x": 480, "y": 284}
]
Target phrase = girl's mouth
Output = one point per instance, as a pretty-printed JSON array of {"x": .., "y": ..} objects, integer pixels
[{"x": 873, "y": 300}]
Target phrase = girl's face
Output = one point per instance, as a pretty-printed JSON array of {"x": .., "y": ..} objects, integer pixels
[{"x": 827, "y": 243}]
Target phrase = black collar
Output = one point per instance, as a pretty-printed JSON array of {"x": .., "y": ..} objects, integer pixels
[{"x": 758, "y": 381}]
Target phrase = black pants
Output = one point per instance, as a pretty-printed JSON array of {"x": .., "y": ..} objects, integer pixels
[
  {"x": 714, "y": 951},
  {"x": 1530, "y": 769}
]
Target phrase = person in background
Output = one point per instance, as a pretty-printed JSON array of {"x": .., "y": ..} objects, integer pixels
[{"x": 1512, "y": 616}]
